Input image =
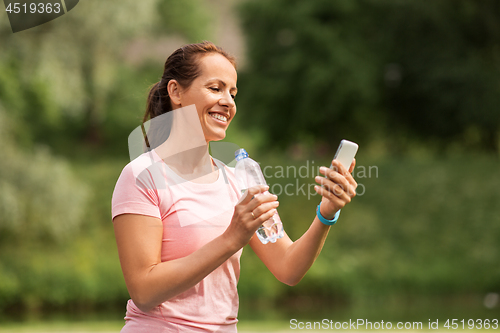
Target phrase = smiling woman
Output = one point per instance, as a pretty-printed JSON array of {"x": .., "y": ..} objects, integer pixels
[
  {"x": 180, "y": 221},
  {"x": 183, "y": 67},
  {"x": 212, "y": 93}
]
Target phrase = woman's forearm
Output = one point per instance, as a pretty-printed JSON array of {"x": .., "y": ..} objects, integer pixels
[
  {"x": 337, "y": 190},
  {"x": 170, "y": 278},
  {"x": 302, "y": 253}
]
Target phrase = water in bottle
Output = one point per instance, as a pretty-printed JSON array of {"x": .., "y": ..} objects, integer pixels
[{"x": 249, "y": 174}]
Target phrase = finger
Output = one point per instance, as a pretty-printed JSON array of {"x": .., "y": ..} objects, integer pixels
[
  {"x": 339, "y": 202},
  {"x": 264, "y": 208},
  {"x": 336, "y": 200},
  {"x": 265, "y": 216},
  {"x": 339, "y": 191},
  {"x": 351, "y": 190},
  {"x": 261, "y": 199},
  {"x": 332, "y": 173},
  {"x": 334, "y": 176},
  {"x": 343, "y": 191},
  {"x": 257, "y": 189},
  {"x": 353, "y": 164},
  {"x": 337, "y": 166},
  {"x": 251, "y": 192},
  {"x": 352, "y": 181}
]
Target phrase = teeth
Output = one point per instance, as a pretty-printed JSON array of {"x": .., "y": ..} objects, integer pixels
[{"x": 218, "y": 116}]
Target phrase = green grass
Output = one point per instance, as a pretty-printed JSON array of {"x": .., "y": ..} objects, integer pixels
[
  {"x": 62, "y": 326},
  {"x": 115, "y": 326}
]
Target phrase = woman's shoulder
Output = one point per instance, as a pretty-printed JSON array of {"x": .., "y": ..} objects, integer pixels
[
  {"x": 146, "y": 161},
  {"x": 144, "y": 169},
  {"x": 137, "y": 189}
]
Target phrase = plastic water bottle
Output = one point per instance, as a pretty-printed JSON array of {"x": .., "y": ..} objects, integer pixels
[{"x": 249, "y": 174}]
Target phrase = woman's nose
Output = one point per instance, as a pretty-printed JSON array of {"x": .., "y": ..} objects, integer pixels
[{"x": 227, "y": 100}]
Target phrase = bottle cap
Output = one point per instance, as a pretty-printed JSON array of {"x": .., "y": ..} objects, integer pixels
[{"x": 240, "y": 154}]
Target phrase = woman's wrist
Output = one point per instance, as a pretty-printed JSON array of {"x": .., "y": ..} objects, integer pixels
[
  {"x": 326, "y": 215},
  {"x": 230, "y": 243},
  {"x": 327, "y": 219}
]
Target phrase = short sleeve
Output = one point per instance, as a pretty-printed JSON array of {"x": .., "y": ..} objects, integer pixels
[{"x": 136, "y": 193}]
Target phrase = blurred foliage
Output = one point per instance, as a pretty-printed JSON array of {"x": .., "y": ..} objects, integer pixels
[
  {"x": 40, "y": 198},
  {"x": 63, "y": 72},
  {"x": 56, "y": 242},
  {"x": 81, "y": 276},
  {"x": 323, "y": 70},
  {"x": 189, "y": 18},
  {"x": 41, "y": 205}
]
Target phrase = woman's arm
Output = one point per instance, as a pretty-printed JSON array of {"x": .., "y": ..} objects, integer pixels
[
  {"x": 289, "y": 261},
  {"x": 150, "y": 282}
]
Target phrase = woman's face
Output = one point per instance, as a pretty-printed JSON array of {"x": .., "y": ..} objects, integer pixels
[{"x": 213, "y": 94}]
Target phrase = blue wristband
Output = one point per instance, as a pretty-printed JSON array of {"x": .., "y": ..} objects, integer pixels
[{"x": 325, "y": 221}]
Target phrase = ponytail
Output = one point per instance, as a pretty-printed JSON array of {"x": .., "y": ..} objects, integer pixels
[{"x": 158, "y": 101}]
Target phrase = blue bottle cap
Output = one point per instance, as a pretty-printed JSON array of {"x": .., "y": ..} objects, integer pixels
[{"x": 240, "y": 154}]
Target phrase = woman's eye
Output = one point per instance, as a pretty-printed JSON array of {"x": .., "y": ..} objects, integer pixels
[
  {"x": 233, "y": 96},
  {"x": 215, "y": 89}
]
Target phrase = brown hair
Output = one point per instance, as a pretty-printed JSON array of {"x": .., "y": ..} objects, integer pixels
[{"x": 182, "y": 66}]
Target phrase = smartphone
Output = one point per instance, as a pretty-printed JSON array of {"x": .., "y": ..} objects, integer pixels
[{"x": 345, "y": 153}]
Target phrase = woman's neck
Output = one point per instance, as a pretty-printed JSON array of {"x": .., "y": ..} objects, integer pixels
[{"x": 186, "y": 150}]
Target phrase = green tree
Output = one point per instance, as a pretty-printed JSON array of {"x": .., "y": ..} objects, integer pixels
[
  {"x": 320, "y": 70},
  {"x": 67, "y": 69},
  {"x": 40, "y": 198}
]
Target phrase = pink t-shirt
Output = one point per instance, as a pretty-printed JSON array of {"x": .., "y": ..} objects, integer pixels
[{"x": 192, "y": 214}]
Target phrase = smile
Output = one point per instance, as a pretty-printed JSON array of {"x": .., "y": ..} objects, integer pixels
[{"x": 218, "y": 117}]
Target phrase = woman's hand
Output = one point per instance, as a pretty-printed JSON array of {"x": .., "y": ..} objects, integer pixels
[
  {"x": 339, "y": 187},
  {"x": 254, "y": 208}
]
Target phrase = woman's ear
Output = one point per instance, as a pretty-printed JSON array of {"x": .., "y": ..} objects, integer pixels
[{"x": 174, "y": 92}]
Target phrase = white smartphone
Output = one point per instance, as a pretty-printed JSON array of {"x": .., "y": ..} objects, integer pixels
[{"x": 345, "y": 153}]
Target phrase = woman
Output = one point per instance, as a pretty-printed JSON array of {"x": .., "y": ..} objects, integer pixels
[{"x": 179, "y": 221}]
